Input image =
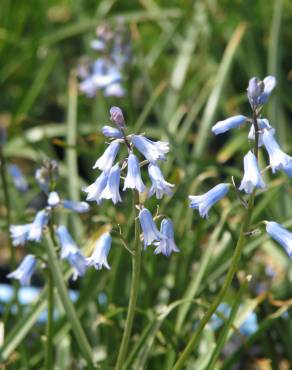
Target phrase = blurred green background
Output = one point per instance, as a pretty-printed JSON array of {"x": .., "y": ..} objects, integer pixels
[{"x": 191, "y": 62}]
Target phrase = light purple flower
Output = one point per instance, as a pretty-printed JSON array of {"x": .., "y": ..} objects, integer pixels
[
  {"x": 278, "y": 159},
  {"x": 95, "y": 190},
  {"x": 269, "y": 84},
  {"x": 166, "y": 246},
  {"x": 133, "y": 179},
  {"x": 88, "y": 87},
  {"x": 204, "y": 202},
  {"x": 281, "y": 235},
  {"x": 71, "y": 252},
  {"x": 18, "y": 178},
  {"x": 36, "y": 229},
  {"x": 97, "y": 44},
  {"x": 19, "y": 234},
  {"x": 150, "y": 231},
  {"x": 111, "y": 191},
  {"x": 79, "y": 207},
  {"x": 159, "y": 185},
  {"x": 105, "y": 162},
  {"x": 109, "y": 131},
  {"x": 115, "y": 89},
  {"x": 53, "y": 199},
  {"x": 151, "y": 150},
  {"x": 117, "y": 117},
  {"x": 227, "y": 124},
  {"x": 105, "y": 73},
  {"x": 24, "y": 271},
  {"x": 100, "y": 253},
  {"x": 252, "y": 177},
  {"x": 262, "y": 124}
]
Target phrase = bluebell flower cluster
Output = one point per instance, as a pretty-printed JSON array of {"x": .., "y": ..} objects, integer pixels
[
  {"x": 108, "y": 183},
  {"x": 105, "y": 74},
  {"x": 33, "y": 232},
  {"x": 258, "y": 93}
]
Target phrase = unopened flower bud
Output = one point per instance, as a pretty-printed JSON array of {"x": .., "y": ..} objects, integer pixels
[{"x": 117, "y": 117}]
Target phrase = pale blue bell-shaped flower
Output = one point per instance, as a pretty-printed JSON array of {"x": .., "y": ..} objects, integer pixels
[
  {"x": 24, "y": 271},
  {"x": 53, "y": 199},
  {"x": 227, "y": 124},
  {"x": 97, "y": 44},
  {"x": 79, "y": 207},
  {"x": 105, "y": 162},
  {"x": 166, "y": 246},
  {"x": 278, "y": 159},
  {"x": 111, "y": 191},
  {"x": 281, "y": 235},
  {"x": 159, "y": 185},
  {"x": 71, "y": 252},
  {"x": 252, "y": 177},
  {"x": 100, "y": 253},
  {"x": 19, "y": 234},
  {"x": 263, "y": 123},
  {"x": 109, "y": 131},
  {"x": 205, "y": 201},
  {"x": 150, "y": 231},
  {"x": 18, "y": 178},
  {"x": 133, "y": 179},
  {"x": 95, "y": 190},
  {"x": 36, "y": 229},
  {"x": 105, "y": 73},
  {"x": 151, "y": 150},
  {"x": 88, "y": 87}
]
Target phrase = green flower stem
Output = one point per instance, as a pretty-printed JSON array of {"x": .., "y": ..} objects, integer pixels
[
  {"x": 7, "y": 203},
  {"x": 136, "y": 267},
  {"x": 231, "y": 272},
  {"x": 49, "y": 336},
  {"x": 59, "y": 283}
]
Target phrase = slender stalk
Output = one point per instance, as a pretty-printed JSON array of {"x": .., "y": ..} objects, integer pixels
[
  {"x": 231, "y": 272},
  {"x": 7, "y": 203},
  {"x": 58, "y": 279},
  {"x": 136, "y": 266},
  {"x": 49, "y": 336}
]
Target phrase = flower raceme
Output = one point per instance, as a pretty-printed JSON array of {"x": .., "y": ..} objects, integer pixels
[
  {"x": 252, "y": 177},
  {"x": 205, "y": 201}
]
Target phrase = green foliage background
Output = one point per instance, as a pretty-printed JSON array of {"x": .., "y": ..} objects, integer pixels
[{"x": 191, "y": 64}]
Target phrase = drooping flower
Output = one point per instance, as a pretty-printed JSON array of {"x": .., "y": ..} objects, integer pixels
[
  {"x": 36, "y": 229},
  {"x": 227, "y": 124},
  {"x": 24, "y": 271},
  {"x": 109, "y": 131},
  {"x": 53, "y": 199},
  {"x": 100, "y": 253},
  {"x": 151, "y": 150},
  {"x": 252, "y": 177},
  {"x": 262, "y": 124},
  {"x": 281, "y": 235},
  {"x": 95, "y": 190},
  {"x": 205, "y": 201},
  {"x": 259, "y": 91},
  {"x": 71, "y": 252},
  {"x": 18, "y": 178},
  {"x": 79, "y": 207},
  {"x": 133, "y": 179},
  {"x": 105, "y": 162},
  {"x": 166, "y": 246},
  {"x": 111, "y": 191},
  {"x": 150, "y": 231},
  {"x": 159, "y": 185},
  {"x": 19, "y": 234},
  {"x": 278, "y": 159}
]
